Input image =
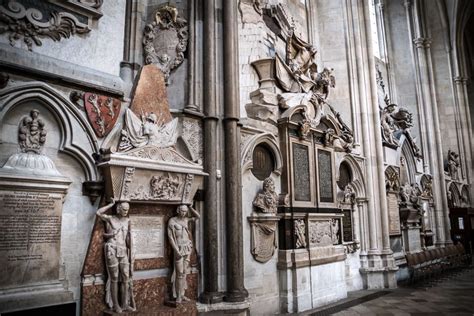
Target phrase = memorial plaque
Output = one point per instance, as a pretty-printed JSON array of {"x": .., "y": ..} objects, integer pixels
[
  {"x": 347, "y": 225},
  {"x": 393, "y": 214},
  {"x": 302, "y": 185},
  {"x": 325, "y": 176},
  {"x": 148, "y": 236},
  {"x": 30, "y": 235}
]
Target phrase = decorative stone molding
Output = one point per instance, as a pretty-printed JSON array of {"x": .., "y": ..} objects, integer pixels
[
  {"x": 300, "y": 233},
  {"x": 165, "y": 40},
  {"x": 26, "y": 22},
  {"x": 248, "y": 144},
  {"x": 192, "y": 135},
  {"x": 4, "y": 78}
]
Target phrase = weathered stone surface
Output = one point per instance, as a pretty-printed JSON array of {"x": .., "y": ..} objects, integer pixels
[{"x": 150, "y": 94}]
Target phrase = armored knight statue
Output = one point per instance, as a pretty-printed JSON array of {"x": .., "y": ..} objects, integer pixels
[
  {"x": 267, "y": 200},
  {"x": 180, "y": 238},
  {"x": 118, "y": 257}
]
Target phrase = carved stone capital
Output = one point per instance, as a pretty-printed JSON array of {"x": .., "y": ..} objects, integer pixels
[{"x": 419, "y": 42}]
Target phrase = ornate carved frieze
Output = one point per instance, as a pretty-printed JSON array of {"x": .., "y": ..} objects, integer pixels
[
  {"x": 102, "y": 112},
  {"x": 165, "y": 40},
  {"x": 324, "y": 233},
  {"x": 192, "y": 135},
  {"x": 300, "y": 233},
  {"x": 31, "y": 23}
]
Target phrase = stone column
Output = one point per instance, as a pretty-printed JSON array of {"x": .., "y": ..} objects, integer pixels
[
  {"x": 191, "y": 104},
  {"x": 236, "y": 291},
  {"x": 428, "y": 110},
  {"x": 210, "y": 215}
]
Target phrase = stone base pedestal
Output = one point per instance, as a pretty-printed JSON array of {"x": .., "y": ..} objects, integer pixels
[{"x": 412, "y": 239}]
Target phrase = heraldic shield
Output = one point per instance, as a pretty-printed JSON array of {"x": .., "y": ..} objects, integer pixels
[{"x": 102, "y": 112}]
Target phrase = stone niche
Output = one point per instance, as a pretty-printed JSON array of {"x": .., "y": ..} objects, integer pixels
[
  {"x": 32, "y": 193},
  {"x": 147, "y": 170}
]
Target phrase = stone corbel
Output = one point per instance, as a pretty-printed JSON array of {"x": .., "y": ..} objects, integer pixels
[{"x": 93, "y": 189}]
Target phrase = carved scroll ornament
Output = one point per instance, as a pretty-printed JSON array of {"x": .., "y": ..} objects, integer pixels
[
  {"x": 28, "y": 23},
  {"x": 165, "y": 40}
]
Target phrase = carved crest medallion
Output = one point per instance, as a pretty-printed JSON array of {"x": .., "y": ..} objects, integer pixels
[
  {"x": 165, "y": 40},
  {"x": 264, "y": 240},
  {"x": 102, "y": 112}
]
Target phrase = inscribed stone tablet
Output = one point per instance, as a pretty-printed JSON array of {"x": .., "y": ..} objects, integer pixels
[
  {"x": 301, "y": 173},
  {"x": 347, "y": 225},
  {"x": 325, "y": 176},
  {"x": 30, "y": 235},
  {"x": 148, "y": 236},
  {"x": 393, "y": 214}
]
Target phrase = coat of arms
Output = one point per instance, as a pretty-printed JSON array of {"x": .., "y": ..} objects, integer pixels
[
  {"x": 102, "y": 112},
  {"x": 165, "y": 40}
]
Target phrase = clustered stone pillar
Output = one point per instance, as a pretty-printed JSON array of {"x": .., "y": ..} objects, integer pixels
[
  {"x": 236, "y": 291},
  {"x": 428, "y": 109},
  {"x": 211, "y": 251}
]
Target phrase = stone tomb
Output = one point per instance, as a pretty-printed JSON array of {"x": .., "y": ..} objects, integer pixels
[{"x": 148, "y": 172}]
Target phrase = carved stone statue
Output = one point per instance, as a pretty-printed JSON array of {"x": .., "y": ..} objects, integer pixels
[
  {"x": 118, "y": 258},
  {"x": 267, "y": 200},
  {"x": 453, "y": 164},
  {"x": 410, "y": 195},
  {"x": 32, "y": 134},
  {"x": 180, "y": 238},
  {"x": 388, "y": 125},
  {"x": 149, "y": 130}
]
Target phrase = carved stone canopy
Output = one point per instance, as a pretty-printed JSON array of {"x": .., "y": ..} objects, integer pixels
[{"x": 165, "y": 40}]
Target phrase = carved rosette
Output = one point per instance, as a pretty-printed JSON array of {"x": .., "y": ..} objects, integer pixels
[
  {"x": 29, "y": 24},
  {"x": 165, "y": 40}
]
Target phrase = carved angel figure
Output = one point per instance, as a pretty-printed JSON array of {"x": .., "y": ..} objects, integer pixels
[
  {"x": 453, "y": 164},
  {"x": 31, "y": 134},
  {"x": 267, "y": 201},
  {"x": 147, "y": 131}
]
